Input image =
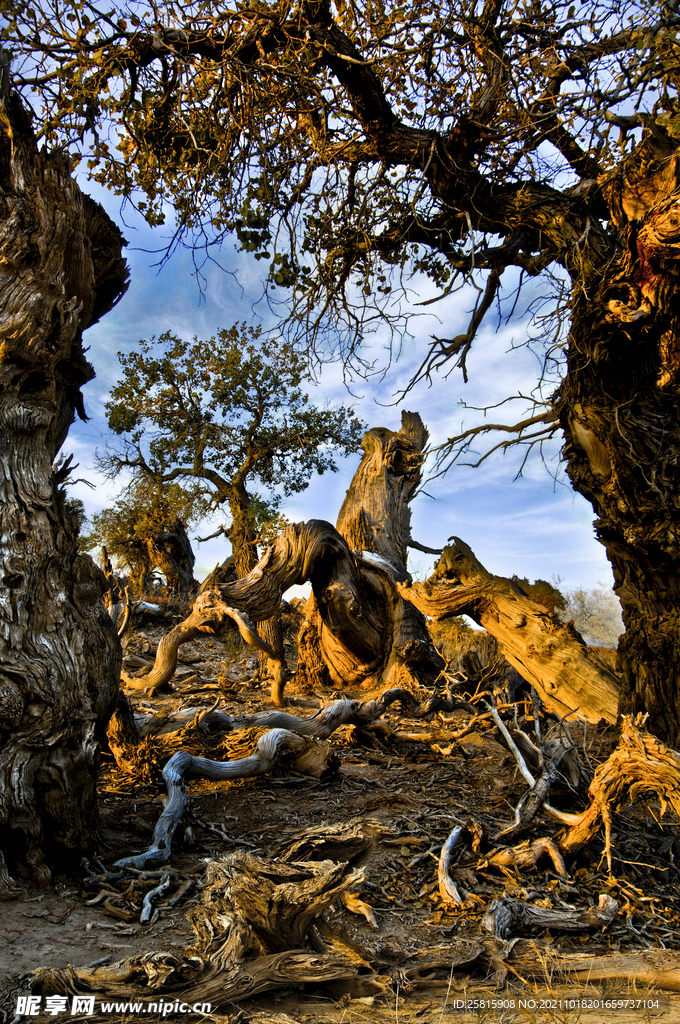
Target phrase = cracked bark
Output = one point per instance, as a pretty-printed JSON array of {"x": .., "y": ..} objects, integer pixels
[{"x": 60, "y": 271}]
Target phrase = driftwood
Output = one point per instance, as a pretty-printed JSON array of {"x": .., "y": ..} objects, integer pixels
[
  {"x": 506, "y": 917},
  {"x": 254, "y": 931},
  {"x": 570, "y": 677}
]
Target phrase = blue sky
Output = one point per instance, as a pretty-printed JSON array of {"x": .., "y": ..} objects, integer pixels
[{"x": 534, "y": 526}]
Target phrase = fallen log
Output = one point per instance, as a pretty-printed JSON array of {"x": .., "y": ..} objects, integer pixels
[
  {"x": 507, "y": 917},
  {"x": 570, "y": 677},
  {"x": 656, "y": 968},
  {"x": 251, "y": 930}
]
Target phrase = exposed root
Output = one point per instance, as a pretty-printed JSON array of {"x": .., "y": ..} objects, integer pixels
[
  {"x": 270, "y": 748},
  {"x": 640, "y": 764}
]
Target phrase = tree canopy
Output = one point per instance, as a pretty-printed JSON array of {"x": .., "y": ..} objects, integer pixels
[
  {"x": 353, "y": 147},
  {"x": 226, "y": 414},
  {"x": 350, "y": 146}
]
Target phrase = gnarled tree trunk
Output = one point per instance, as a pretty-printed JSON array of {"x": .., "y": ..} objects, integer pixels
[
  {"x": 375, "y": 520},
  {"x": 618, "y": 407},
  {"x": 570, "y": 677},
  {"x": 171, "y": 552},
  {"x": 60, "y": 270}
]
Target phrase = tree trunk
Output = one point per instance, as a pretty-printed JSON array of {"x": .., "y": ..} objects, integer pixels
[
  {"x": 570, "y": 677},
  {"x": 60, "y": 270},
  {"x": 244, "y": 549},
  {"x": 618, "y": 407},
  {"x": 375, "y": 520},
  {"x": 171, "y": 552}
]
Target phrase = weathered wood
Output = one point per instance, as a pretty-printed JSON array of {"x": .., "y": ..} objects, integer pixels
[
  {"x": 209, "y": 615},
  {"x": 375, "y": 515},
  {"x": 656, "y": 968},
  {"x": 60, "y": 271},
  {"x": 170, "y": 551},
  {"x": 570, "y": 677},
  {"x": 367, "y": 629},
  {"x": 640, "y": 764},
  {"x": 506, "y": 917},
  {"x": 251, "y": 929},
  {"x": 375, "y": 521},
  {"x": 269, "y": 749},
  {"x": 289, "y": 735}
]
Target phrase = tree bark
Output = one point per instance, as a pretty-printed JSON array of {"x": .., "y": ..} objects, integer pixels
[
  {"x": 375, "y": 520},
  {"x": 171, "y": 552},
  {"x": 244, "y": 549},
  {"x": 60, "y": 271},
  {"x": 569, "y": 676},
  {"x": 618, "y": 407}
]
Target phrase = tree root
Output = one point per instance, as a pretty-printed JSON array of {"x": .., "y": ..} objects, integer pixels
[
  {"x": 255, "y": 919},
  {"x": 640, "y": 764}
]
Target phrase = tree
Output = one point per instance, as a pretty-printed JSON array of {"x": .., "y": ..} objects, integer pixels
[
  {"x": 146, "y": 528},
  {"x": 226, "y": 414},
  {"x": 595, "y": 613},
  {"x": 60, "y": 657},
  {"x": 485, "y": 143}
]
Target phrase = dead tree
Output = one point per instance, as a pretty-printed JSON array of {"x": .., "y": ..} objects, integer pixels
[
  {"x": 61, "y": 270},
  {"x": 367, "y": 631},
  {"x": 375, "y": 521},
  {"x": 569, "y": 676},
  {"x": 170, "y": 550}
]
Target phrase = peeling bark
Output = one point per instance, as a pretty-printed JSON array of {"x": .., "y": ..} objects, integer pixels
[{"x": 60, "y": 271}]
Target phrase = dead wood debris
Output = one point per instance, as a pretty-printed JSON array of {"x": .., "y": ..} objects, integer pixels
[{"x": 507, "y": 907}]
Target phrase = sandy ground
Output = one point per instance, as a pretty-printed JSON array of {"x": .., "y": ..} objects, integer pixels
[{"x": 416, "y": 792}]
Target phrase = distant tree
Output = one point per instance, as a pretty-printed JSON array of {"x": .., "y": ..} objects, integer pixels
[
  {"x": 226, "y": 414},
  {"x": 146, "y": 528},
  {"x": 596, "y": 613}
]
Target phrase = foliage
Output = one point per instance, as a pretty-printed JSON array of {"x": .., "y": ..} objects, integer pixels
[
  {"x": 347, "y": 147},
  {"x": 543, "y": 593},
  {"x": 225, "y": 413},
  {"x": 144, "y": 510},
  {"x": 596, "y": 614}
]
